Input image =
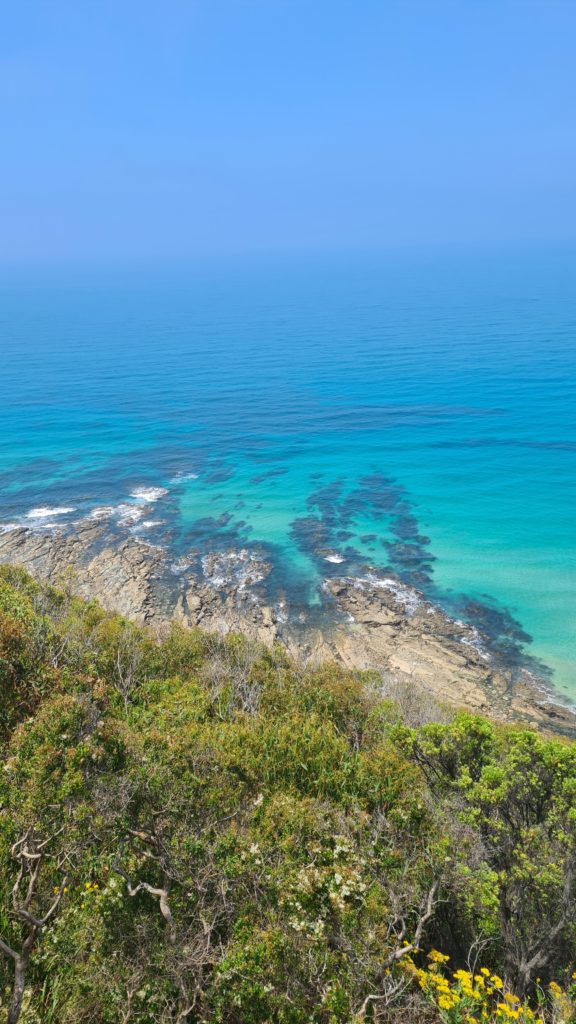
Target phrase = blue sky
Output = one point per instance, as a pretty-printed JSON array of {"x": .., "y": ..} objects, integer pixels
[{"x": 133, "y": 129}]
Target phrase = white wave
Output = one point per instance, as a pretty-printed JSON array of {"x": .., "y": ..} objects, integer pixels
[
  {"x": 281, "y": 610},
  {"x": 137, "y": 527},
  {"x": 103, "y": 512},
  {"x": 334, "y": 558},
  {"x": 8, "y": 527},
  {"x": 180, "y": 565},
  {"x": 410, "y": 599},
  {"x": 180, "y": 477},
  {"x": 477, "y": 646},
  {"x": 45, "y": 512},
  {"x": 233, "y": 568},
  {"x": 129, "y": 514},
  {"x": 148, "y": 495},
  {"x": 147, "y": 524}
]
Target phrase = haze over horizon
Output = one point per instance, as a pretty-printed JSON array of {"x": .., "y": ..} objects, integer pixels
[{"x": 228, "y": 127}]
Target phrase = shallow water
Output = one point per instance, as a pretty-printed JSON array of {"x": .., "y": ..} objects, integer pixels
[{"x": 415, "y": 411}]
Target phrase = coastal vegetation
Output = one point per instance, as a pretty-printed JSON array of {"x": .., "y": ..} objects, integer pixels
[{"x": 197, "y": 829}]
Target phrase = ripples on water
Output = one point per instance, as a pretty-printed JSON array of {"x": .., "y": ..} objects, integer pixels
[{"x": 416, "y": 413}]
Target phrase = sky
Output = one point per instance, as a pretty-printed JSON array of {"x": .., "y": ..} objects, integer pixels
[{"x": 143, "y": 130}]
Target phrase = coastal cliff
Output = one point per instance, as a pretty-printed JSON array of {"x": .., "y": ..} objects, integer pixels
[{"x": 373, "y": 621}]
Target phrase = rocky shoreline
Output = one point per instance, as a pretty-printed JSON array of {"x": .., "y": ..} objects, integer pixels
[{"x": 371, "y": 621}]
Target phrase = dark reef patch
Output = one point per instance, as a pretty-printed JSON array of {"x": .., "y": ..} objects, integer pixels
[
  {"x": 219, "y": 475},
  {"x": 214, "y": 533},
  {"x": 334, "y": 514},
  {"x": 407, "y": 557},
  {"x": 268, "y": 475},
  {"x": 508, "y": 639},
  {"x": 310, "y": 533}
]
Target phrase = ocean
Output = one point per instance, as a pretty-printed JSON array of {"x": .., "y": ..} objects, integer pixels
[{"x": 415, "y": 411}]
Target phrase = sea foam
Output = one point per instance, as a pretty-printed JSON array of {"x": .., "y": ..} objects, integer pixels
[
  {"x": 148, "y": 495},
  {"x": 45, "y": 512},
  {"x": 181, "y": 476},
  {"x": 129, "y": 514}
]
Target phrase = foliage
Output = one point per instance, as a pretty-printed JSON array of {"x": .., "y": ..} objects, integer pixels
[{"x": 195, "y": 829}]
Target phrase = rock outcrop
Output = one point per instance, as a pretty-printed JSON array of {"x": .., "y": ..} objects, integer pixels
[
  {"x": 393, "y": 627},
  {"x": 140, "y": 581},
  {"x": 373, "y": 621}
]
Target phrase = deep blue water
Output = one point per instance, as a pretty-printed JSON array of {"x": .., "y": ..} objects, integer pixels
[{"x": 416, "y": 411}]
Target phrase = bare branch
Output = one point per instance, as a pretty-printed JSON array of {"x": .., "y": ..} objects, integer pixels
[
  {"x": 8, "y": 950},
  {"x": 30, "y": 854},
  {"x": 411, "y": 947}
]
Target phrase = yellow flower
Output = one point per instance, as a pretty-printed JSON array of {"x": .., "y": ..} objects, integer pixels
[
  {"x": 438, "y": 958},
  {"x": 511, "y": 999},
  {"x": 496, "y": 981},
  {"x": 439, "y": 980},
  {"x": 462, "y": 976},
  {"x": 555, "y": 989},
  {"x": 446, "y": 1002}
]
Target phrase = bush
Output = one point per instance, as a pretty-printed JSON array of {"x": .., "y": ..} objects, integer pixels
[{"x": 195, "y": 829}]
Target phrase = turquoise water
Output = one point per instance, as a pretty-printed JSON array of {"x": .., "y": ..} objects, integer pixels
[{"x": 415, "y": 411}]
